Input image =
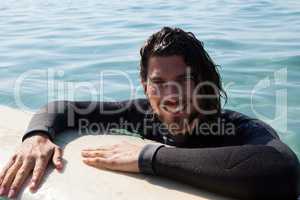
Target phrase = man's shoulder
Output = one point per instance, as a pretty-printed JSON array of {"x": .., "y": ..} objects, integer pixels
[
  {"x": 232, "y": 115},
  {"x": 247, "y": 124}
]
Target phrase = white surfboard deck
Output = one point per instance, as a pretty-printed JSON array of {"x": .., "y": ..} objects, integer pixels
[{"x": 79, "y": 181}]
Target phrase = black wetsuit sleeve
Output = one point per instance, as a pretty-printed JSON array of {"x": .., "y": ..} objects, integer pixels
[
  {"x": 262, "y": 167},
  {"x": 58, "y": 116}
]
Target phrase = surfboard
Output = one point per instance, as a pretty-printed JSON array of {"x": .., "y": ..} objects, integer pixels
[{"x": 79, "y": 181}]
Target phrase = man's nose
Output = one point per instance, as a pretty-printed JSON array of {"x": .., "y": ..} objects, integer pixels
[{"x": 172, "y": 89}]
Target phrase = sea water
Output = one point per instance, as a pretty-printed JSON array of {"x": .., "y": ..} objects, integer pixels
[{"x": 79, "y": 49}]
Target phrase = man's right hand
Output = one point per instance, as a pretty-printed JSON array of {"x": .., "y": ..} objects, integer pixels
[{"x": 33, "y": 156}]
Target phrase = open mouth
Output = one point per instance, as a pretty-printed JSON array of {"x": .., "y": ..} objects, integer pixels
[{"x": 174, "y": 108}]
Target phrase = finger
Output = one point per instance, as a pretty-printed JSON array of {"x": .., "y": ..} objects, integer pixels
[
  {"x": 5, "y": 169},
  {"x": 90, "y": 160},
  {"x": 20, "y": 178},
  {"x": 57, "y": 158},
  {"x": 94, "y": 154},
  {"x": 95, "y": 162},
  {"x": 38, "y": 173},
  {"x": 101, "y": 163},
  {"x": 104, "y": 148},
  {"x": 10, "y": 175},
  {"x": 90, "y": 153}
]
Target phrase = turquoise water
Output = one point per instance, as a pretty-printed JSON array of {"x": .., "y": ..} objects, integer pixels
[{"x": 256, "y": 44}]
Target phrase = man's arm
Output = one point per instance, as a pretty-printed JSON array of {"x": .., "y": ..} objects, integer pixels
[
  {"x": 58, "y": 116},
  {"x": 261, "y": 167},
  {"x": 37, "y": 150}
]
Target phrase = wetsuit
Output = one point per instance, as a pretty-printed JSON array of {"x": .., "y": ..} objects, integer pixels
[{"x": 248, "y": 161}]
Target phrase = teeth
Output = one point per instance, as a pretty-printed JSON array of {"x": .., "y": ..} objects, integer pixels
[{"x": 177, "y": 109}]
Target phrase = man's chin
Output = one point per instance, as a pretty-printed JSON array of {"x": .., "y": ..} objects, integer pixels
[
  {"x": 174, "y": 115},
  {"x": 177, "y": 124}
]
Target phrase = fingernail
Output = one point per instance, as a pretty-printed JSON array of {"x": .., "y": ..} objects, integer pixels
[
  {"x": 11, "y": 193},
  {"x": 59, "y": 167},
  {"x": 32, "y": 189},
  {"x": 2, "y": 190},
  {"x": 32, "y": 185}
]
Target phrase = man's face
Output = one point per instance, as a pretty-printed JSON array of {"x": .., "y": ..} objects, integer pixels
[{"x": 169, "y": 88}]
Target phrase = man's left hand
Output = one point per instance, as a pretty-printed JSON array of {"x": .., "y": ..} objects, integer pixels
[{"x": 119, "y": 157}]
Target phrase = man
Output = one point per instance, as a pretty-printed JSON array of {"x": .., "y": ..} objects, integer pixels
[{"x": 202, "y": 144}]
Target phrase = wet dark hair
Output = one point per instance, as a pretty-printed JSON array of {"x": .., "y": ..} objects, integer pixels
[{"x": 175, "y": 41}]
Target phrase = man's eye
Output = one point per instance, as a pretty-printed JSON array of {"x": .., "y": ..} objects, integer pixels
[
  {"x": 187, "y": 78},
  {"x": 183, "y": 79},
  {"x": 157, "y": 82}
]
